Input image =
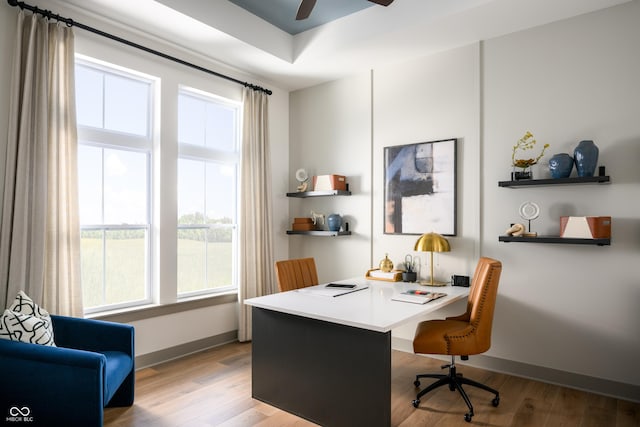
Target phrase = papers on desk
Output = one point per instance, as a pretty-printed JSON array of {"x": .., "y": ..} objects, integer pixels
[
  {"x": 329, "y": 291},
  {"x": 417, "y": 296}
]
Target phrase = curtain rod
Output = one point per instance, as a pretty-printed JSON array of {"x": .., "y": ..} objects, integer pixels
[{"x": 71, "y": 23}]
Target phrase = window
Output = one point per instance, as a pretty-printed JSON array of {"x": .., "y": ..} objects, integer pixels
[
  {"x": 114, "y": 116},
  {"x": 135, "y": 250},
  {"x": 208, "y": 136}
]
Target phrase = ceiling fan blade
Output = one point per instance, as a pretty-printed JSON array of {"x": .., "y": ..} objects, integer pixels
[
  {"x": 382, "y": 2},
  {"x": 305, "y": 8}
]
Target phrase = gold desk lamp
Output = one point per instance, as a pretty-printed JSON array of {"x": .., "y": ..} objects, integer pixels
[{"x": 432, "y": 242}]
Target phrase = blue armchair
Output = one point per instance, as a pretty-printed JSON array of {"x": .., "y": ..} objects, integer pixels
[{"x": 92, "y": 366}]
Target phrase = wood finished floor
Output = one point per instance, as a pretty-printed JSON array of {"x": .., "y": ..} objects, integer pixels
[{"x": 213, "y": 388}]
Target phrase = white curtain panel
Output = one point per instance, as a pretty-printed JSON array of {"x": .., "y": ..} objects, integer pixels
[
  {"x": 40, "y": 231},
  {"x": 256, "y": 243}
]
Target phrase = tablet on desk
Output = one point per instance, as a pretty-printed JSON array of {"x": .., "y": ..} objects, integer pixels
[
  {"x": 333, "y": 289},
  {"x": 341, "y": 285}
]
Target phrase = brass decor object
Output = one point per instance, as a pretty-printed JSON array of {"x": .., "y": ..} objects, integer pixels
[
  {"x": 432, "y": 242},
  {"x": 386, "y": 264}
]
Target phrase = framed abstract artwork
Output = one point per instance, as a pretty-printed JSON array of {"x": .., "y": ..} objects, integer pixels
[{"x": 420, "y": 188}]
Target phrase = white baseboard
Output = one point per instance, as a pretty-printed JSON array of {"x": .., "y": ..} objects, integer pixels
[{"x": 164, "y": 355}]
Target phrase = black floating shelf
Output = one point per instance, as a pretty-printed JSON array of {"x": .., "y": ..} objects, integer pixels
[
  {"x": 555, "y": 181},
  {"x": 556, "y": 239},
  {"x": 320, "y": 233},
  {"x": 303, "y": 194}
]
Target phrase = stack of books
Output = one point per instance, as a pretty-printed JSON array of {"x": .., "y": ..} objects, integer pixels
[
  {"x": 303, "y": 224},
  {"x": 417, "y": 296}
]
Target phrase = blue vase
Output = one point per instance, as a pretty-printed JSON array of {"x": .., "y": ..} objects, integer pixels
[
  {"x": 586, "y": 158},
  {"x": 334, "y": 222},
  {"x": 560, "y": 165}
]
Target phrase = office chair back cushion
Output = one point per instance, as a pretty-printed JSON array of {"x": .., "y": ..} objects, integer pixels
[
  {"x": 468, "y": 333},
  {"x": 483, "y": 301},
  {"x": 296, "y": 273}
]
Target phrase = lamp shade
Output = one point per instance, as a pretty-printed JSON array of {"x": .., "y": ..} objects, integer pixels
[{"x": 432, "y": 242}]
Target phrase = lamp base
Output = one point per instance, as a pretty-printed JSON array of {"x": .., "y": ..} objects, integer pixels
[{"x": 427, "y": 282}]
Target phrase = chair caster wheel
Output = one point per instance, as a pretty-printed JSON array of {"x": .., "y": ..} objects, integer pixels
[
  {"x": 496, "y": 401},
  {"x": 467, "y": 417},
  {"x": 415, "y": 403},
  {"x": 416, "y": 383}
]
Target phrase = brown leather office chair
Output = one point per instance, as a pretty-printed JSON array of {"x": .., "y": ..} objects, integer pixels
[
  {"x": 296, "y": 273},
  {"x": 469, "y": 333}
]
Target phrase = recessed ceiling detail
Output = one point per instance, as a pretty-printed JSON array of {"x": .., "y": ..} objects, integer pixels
[
  {"x": 360, "y": 36},
  {"x": 282, "y": 13}
]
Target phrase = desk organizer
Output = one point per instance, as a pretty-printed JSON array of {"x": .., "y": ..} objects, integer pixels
[{"x": 377, "y": 274}]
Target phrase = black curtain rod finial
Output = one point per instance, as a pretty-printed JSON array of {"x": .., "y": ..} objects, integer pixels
[{"x": 12, "y": 2}]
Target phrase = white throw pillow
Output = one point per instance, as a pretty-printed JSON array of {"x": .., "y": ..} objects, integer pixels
[
  {"x": 25, "y": 321},
  {"x": 23, "y": 327}
]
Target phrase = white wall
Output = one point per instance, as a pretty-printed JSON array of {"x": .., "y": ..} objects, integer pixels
[
  {"x": 431, "y": 99},
  {"x": 164, "y": 332},
  {"x": 563, "y": 307},
  {"x": 573, "y": 308},
  {"x": 331, "y": 134}
]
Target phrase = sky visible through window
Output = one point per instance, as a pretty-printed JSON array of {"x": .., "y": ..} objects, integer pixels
[
  {"x": 211, "y": 125},
  {"x": 113, "y": 184}
]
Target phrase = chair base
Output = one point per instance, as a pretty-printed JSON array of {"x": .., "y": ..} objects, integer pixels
[{"x": 454, "y": 380}]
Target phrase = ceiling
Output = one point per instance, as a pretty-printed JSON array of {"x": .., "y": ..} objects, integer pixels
[
  {"x": 281, "y": 13},
  {"x": 371, "y": 37}
]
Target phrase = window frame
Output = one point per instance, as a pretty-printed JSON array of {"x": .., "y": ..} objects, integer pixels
[
  {"x": 122, "y": 141},
  {"x": 210, "y": 155}
]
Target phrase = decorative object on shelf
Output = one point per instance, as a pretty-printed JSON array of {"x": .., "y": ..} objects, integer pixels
[
  {"x": 317, "y": 218},
  {"x": 303, "y": 224},
  {"x": 410, "y": 274},
  {"x": 386, "y": 265},
  {"x": 586, "y": 158},
  {"x": 522, "y": 167},
  {"x": 432, "y": 242},
  {"x": 560, "y": 165},
  {"x": 529, "y": 211},
  {"x": 302, "y": 177},
  {"x": 585, "y": 227},
  {"x": 329, "y": 182},
  {"x": 515, "y": 230},
  {"x": 334, "y": 222}
]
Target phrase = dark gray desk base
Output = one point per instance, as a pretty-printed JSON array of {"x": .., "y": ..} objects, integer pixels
[{"x": 330, "y": 374}]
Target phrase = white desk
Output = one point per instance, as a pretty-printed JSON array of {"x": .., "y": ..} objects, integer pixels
[{"x": 328, "y": 359}]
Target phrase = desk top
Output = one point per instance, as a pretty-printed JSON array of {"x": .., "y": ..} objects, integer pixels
[{"x": 370, "y": 308}]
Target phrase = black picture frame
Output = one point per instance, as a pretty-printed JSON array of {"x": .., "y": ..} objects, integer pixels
[{"x": 420, "y": 183}]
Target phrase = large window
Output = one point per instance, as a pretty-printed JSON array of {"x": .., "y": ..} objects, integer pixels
[
  {"x": 208, "y": 135},
  {"x": 114, "y": 113},
  {"x": 133, "y": 173}
]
